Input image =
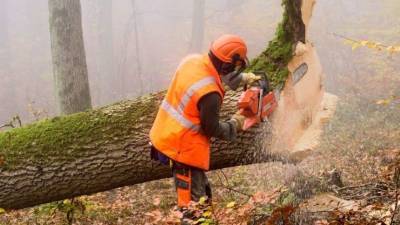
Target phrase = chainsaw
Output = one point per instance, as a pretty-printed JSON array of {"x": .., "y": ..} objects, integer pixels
[{"x": 257, "y": 102}]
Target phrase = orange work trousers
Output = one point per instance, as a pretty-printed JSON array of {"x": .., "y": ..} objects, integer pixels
[{"x": 191, "y": 184}]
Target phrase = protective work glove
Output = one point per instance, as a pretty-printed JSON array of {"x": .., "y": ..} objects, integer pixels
[
  {"x": 238, "y": 119},
  {"x": 249, "y": 78}
]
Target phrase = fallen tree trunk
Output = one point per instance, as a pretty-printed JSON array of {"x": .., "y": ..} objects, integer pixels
[{"x": 98, "y": 150}]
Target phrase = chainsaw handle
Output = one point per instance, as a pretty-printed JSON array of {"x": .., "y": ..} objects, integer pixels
[{"x": 263, "y": 82}]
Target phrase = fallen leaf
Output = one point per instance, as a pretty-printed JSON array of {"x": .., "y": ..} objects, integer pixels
[
  {"x": 207, "y": 214},
  {"x": 155, "y": 214},
  {"x": 384, "y": 102},
  {"x": 372, "y": 45},
  {"x": 230, "y": 204},
  {"x": 391, "y": 49},
  {"x": 200, "y": 220},
  {"x": 262, "y": 197},
  {"x": 156, "y": 201},
  {"x": 202, "y": 200},
  {"x": 348, "y": 42},
  {"x": 177, "y": 214},
  {"x": 321, "y": 222},
  {"x": 246, "y": 208}
]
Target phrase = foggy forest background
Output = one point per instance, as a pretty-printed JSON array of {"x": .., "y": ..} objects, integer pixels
[{"x": 133, "y": 46}]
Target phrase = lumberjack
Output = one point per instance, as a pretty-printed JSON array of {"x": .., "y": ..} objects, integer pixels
[{"x": 189, "y": 115}]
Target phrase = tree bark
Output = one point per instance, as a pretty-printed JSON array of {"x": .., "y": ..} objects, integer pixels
[
  {"x": 98, "y": 150},
  {"x": 69, "y": 59}
]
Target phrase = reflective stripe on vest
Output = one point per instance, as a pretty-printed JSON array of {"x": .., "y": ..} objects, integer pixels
[
  {"x": 192, "y": 89},
  {"x": 179, "y": 117},
  {"x": 177, "y": 114}
]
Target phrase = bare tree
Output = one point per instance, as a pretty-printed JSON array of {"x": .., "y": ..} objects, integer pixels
[
  {"x": 7, "y": 92},
  {"x": 139, "y": 71},
  {"x": 69, "y": 59},
  {"x": 131, "y": 26},
  {"x": 4, "y": 53},
  {"x": 196, "y": 43},
  {"x": 108, "y": 82}
]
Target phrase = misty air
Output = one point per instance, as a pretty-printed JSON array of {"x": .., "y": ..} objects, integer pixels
[{"x": 203, "y": 112}]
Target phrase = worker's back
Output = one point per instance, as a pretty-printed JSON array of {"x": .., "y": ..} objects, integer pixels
[{"x": 176, "y": 130}]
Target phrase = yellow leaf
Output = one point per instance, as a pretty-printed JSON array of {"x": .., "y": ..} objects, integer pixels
[
  {"x": 202, "y": 200},
  {"x": 230, "y": 204},
  {"x": 348, "y": 42},
  {"x": 207, "y": 214},
  {"x": 397, "y": 48},
  {"x": 200, "y": 220},
  {"x": 355, "y": 45},
  {"x": 391, "y": 49},
  {"x": 371, "y": 44},
  {"x": 364, "y": 43},
  {"x": 2, "y": 211},
  {"x": 384, "y": 102}
]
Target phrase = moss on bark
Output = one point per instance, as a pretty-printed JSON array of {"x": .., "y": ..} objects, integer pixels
[
  {"x": 275, "y": 58},
  {"x": 66, "y": 137}
]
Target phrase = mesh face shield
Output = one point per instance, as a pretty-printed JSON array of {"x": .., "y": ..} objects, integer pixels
[{"x": 231, "y": 72}]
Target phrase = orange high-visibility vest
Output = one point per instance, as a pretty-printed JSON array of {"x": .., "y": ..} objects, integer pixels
[{"x": 176, "y": 131}]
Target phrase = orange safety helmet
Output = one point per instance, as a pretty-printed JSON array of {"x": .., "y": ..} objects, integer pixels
[{"x": 229, "y": 46}]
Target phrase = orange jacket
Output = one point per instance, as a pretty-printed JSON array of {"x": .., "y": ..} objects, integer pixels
[{"x": 176, "y": 131}]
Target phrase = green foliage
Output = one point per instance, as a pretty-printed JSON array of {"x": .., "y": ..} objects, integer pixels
[
  {"x": 68, "y": 208},
  {"x": 275, "y": 58},
  {"x": 287, "y": 198}
]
